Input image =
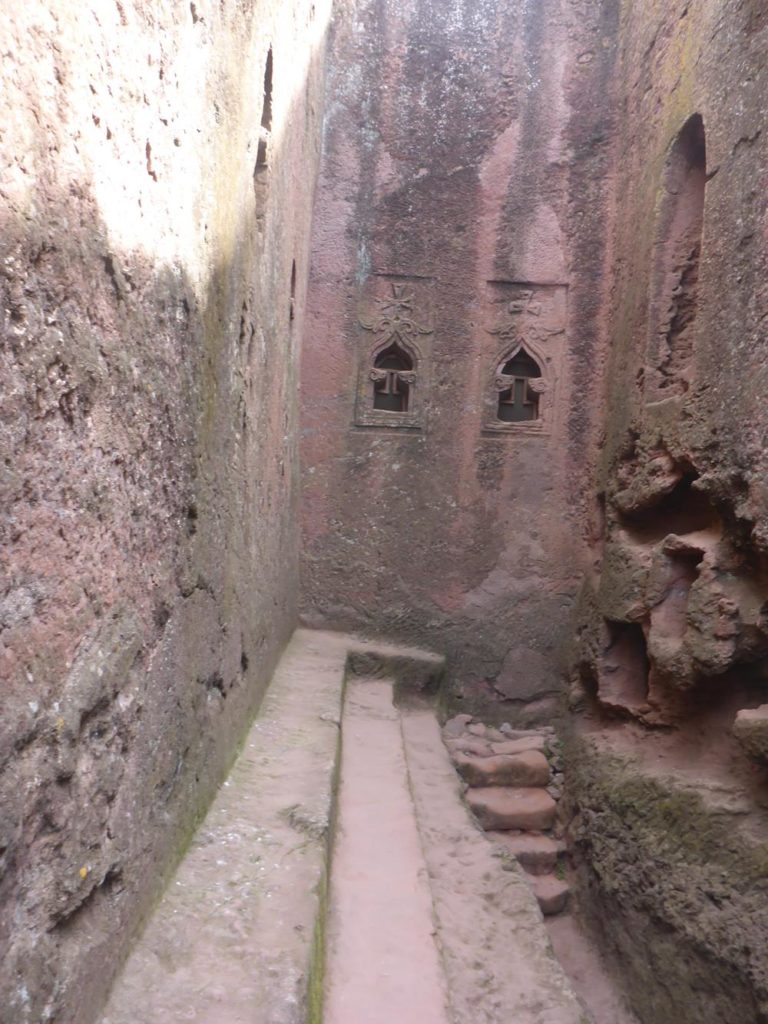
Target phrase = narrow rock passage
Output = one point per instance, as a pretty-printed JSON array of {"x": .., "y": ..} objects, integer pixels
[{"x": 382, "y": 964}]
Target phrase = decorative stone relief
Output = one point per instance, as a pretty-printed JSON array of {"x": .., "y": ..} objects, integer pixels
[
  {"x": 394, "y": 350},
  {"x": 528, "y": 323}
]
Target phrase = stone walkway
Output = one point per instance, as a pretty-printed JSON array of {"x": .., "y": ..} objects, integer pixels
[
  {"x": 427, "y": 922},
  {"x": 382, "y": 964}
]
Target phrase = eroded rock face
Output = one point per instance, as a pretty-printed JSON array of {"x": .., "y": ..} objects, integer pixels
[
  {"x": 670, "y": 630},
  {"x": 674, "y": 887},
  {"x": 147, "y": 500},
  {"x": 751, "y": 730},
  {"x": 677, "y": 598}
]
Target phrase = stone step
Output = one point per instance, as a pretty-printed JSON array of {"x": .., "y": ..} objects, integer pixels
[
  {"x": 469, "y": 745},
  {"x": 529, "y": 768},
  {"x": 537, "y": 855},
  {"x": 501, "y": 808},
  {"x": 455, "y": 726},
  {"x": 518, "y": 734},
  {"x": 519, "y": 746},
  {"x": 551, "y": 893}
]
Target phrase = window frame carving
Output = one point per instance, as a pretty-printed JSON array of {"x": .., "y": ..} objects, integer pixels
[
  {"x": 394, "y": 322},
  {"x": 543, "y": 387}
]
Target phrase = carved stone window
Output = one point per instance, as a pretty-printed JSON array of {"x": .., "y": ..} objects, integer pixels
[
  {"x": 518, "y": 395},
  {"x": 392, "y": 377},
  {"x": 391, "y": 370},
  {"x": 528, "y": 322}
]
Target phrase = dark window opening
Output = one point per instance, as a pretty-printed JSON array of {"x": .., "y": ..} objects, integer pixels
[
  {"x": 518, "y": 403},
  {"x": 266, "y": 114},
  {"x": 392, "y": 377},
  {"x": 292, "y": 306}
]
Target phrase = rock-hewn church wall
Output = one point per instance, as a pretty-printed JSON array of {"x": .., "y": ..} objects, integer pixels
[
  {"x": 680, "y": 580},
  {"x": 448, "y": 373},
  {"x": 154, "y": 199},
  {"x": 671, "y": 637}
]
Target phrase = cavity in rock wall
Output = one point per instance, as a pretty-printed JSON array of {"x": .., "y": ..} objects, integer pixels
[{"x": 149, "y": 539}]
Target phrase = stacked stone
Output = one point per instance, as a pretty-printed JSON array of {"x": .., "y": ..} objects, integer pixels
[{"x": 514, "y": 780}]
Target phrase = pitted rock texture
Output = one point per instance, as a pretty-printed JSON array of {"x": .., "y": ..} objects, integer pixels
[
  {"x": 751, "y": 730},
  {"x": 675, "y": 857},
  {"x": 148, "y": 508},
  {"x": 671, "y": 639},
  {"x": 673, "y": 616}
]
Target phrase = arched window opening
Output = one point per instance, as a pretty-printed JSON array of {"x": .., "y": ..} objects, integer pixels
[
  {"x": 678, "y": 253},
  {"x": 392, "y": 377},
  {"x": 518, "y": 401},
  {"x": 266, "y": 115}
]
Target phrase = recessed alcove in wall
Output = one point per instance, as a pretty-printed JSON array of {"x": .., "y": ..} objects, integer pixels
[
  {"x": 676, "y": 259},
  {"x": 262, "y": 154},
  {"x": 624, "y": 668},
  {"x": 669, "y": 616},
  {"x": 686, "y": 509}
]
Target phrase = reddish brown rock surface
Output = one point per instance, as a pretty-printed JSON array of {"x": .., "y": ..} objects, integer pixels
[
  {"x": 499, "y": 808},
  {"x": 551, "y": 893},
  {"x": 529, "y": 768},
  {"x": 537, "y": 854},
  {"x": 751, "y": 730},
  {"x": 148, "y": 507},
  {"x": 462, "y": 163}
]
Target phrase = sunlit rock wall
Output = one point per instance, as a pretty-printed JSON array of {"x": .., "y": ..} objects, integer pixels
[
  {"x": 459, "y": 211},
  {"x": 149, "y": 466}
]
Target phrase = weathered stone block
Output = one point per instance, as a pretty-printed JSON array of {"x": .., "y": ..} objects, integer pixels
[
  {"x": 529, "y": 768},
  {"x": 500, "y": 808},
  {"x": 751, "y": 730}
]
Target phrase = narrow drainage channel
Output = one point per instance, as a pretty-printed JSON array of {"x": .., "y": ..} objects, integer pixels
[{"x": 382, "y": 963}]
